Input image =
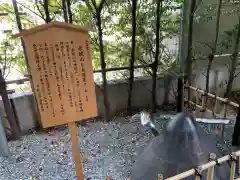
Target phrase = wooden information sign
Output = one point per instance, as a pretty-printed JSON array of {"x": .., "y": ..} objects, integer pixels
[{"x": 62, "y": 75}]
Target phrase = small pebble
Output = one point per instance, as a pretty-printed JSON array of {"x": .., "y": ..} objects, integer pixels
[{"x": 105, "y": 146}]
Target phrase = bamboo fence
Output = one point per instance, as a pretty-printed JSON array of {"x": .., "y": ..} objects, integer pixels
[
  {"x": 201, "y": 103},
  {"x": 209, "y": 167}
]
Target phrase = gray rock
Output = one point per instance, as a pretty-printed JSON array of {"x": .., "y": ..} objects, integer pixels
[{"x": 181, "y": 146}]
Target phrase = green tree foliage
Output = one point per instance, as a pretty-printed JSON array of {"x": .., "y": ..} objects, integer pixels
[
  {"x": 11, "y": 55},
  {"x": 116, "y": 22}
]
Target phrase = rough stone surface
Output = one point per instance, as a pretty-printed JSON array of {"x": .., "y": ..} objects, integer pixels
[
  {"x": 182, "y": 145},
  {"x": 108, "y": 149}
]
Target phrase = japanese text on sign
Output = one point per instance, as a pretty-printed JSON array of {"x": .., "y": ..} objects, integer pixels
[{"x": 61, "y": 70}]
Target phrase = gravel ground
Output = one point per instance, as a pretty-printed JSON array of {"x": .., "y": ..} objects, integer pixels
[{"x": 109, "y": 149}]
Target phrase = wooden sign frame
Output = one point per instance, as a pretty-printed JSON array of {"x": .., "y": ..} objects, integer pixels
[{"x": 61, "y": 70}]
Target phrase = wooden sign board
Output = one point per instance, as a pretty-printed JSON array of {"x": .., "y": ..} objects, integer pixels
[{"x": 62, "y": 74}]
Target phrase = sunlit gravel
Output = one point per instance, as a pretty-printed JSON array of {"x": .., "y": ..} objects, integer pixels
[{"x": 108, "y": 149}]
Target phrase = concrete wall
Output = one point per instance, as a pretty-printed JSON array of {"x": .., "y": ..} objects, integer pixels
[
  {"x": 218, "y": 79},
  {"x": 117, "y": 93},
  {"x": 203, "y": 35},
  {"x": 24, "y": 109},
  {"x": 205, "y": 27}
]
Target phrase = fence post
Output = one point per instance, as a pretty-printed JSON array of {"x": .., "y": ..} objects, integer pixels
[
  {"x": 236, "y": 133},
  {"x": 160, "y": 177},
  {"x": 215, "y": 106},
  {"x": 180, "y": 95},
  {"x": 197, "y": 103},
  {"x": 233, "y": 166},
  {"x": 225, "y": 116},
  {"x": 238, "y": 166},
  {"x": 203, "y": 104},
  {"x": 225, "y": 107},
  {"x": 198, "y": 174},
  {"x": 185, "y": 98},
  {"x": 4, "y": 150},
  {"x": 197, "y": 97},
  {"x": 210, "y": 172},
  {"x": 215, "y": 110}
]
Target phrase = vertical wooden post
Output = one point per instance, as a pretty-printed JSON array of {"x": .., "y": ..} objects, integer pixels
[
  {"x": 203, "y": 97},
  {"x": 64, "y": 9},
  {"x": 189, "y": 92},
  {"x": 197, "y": 178},
  {"x": 20, "y": 29},
  {"x": 236, "y": 133},
  {"x": 203, "y": 104},
  {"x": 187, "y": 89},
  {"x": 184, "y": 95},
  {"x": 157, "y": 51},
  {"x": 215, "y": 110},
  {"x": 197, "y": 97},
  {"x": 225, "y": 116},
  {"x": 198, "y": 174},
  {"x": 238, "y": 168},
  {"x": 180, "y": 95},
  {"x": 210, "y": 172},
  {"x": 4, "y": 150},
  {"x": 215, "y": 105},
  {"x": 76, "y": 150},
  {"x": 160, "y": 177},
  {"x": 233, "y": 167},
  {"x": 197, "y": 103},
  {"x": 225, "y": 108}
]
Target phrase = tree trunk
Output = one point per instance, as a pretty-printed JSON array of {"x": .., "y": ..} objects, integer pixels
[
  {"x": 103, "y": 65},
  {"x": 64, "y": 8},
  {"x": 20, "y": 29},
  {"x": 180, "y": 95},
  {"x": 183, "y": 51},
  {"x": 155, "y": 64},
  {"x": 233, "y": 63},
  {"x": 8, "y": 110},
  {"x": 210, "y": 59},
  {"x": 97, "y": 17},
  {"x": 70, "y": 16},
  {"x": 46, "y": 10},
  {"x": 131, "y": 69},
  {"x": 7, "y": 105},
  {"x": 211, "y": 56},
  {"x": 188, "y": 71}
]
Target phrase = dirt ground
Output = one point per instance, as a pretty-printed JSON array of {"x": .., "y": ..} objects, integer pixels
[{"x": 109, "y": 149}]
